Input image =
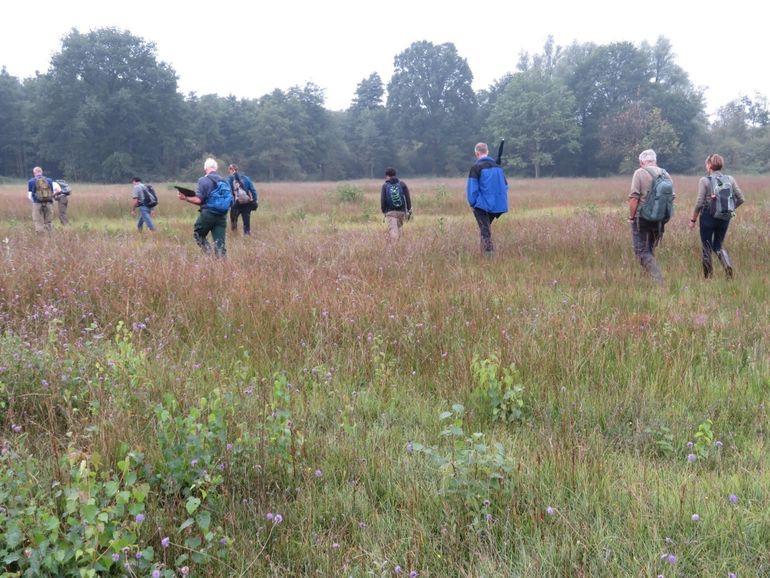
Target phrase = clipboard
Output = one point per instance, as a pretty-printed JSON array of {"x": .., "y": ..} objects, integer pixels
[{"x": 185, "y": 191}]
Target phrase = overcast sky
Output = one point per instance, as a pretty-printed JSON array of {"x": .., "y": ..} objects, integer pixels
[{"x": 249, "y": 48}]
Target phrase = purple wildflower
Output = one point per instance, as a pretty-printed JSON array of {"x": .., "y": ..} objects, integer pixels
[
  {"x": 278, "y": 519},
  {"x": 165, "y": 542},
  {"x": 318, "y": 473},
  {"x": 115, "y": 557},
  {"x": 550, "y": 511},
  {"x": 397, "y": 569},
  {"x": 691, "y": 458},
  {"x": 156, "y": 573},
  {"x": 733, "y": 499},
  {"x": 139, "y": 518},
  {"x": 695, "y": 518}
]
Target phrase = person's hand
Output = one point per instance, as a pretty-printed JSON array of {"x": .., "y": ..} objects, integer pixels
[
  {"x": 180, "y": 196},
  {"x": 691, "y": 225}
]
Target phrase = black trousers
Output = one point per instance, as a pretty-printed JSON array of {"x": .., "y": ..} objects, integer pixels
[
  {"x": 484, "y": 219},
  {"x": 244, "y": 210}
]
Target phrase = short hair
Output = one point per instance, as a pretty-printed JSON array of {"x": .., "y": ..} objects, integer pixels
[
  {"x": 482, "y": 148},
  {"x": 716, "y": 161},
  {"x": 210, "y": 164},
  {"x": 136, "y": 180},
  {"x": 37, "y": 171},
  {"x": 647, "y": 156},
  {"x": 233, "y": 167},
  {"x": 390, "y": 172}
]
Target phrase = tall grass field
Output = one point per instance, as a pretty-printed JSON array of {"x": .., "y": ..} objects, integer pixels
[{"x": 324, "y": 402}]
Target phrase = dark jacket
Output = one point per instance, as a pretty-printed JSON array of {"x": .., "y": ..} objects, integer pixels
[{"x": 386, "y": 202}]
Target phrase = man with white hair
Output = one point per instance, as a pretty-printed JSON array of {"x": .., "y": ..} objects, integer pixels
[
  {"x": 40, "y": 192},
  {"x": 210, "y": 219},
  {"x": 644, "y": 234}
]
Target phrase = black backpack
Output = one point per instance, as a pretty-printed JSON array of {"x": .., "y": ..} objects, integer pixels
[
  {"x": 150, "y": 197},
  {"x": 395, "y": 193}
]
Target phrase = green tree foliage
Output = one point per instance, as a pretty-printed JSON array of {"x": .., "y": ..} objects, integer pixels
[
  {"x": 432, "y": 107},
  {"x": 741, "y": 134},
  {"x": 368, "y": 131},
  {"x": 536, "y": 114},
  {"x": 108, "y": 108},
  {"x": 12, "y": 125}
]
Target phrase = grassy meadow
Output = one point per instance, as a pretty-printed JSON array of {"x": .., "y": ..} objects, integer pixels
[{"x": 326, "y": 403}]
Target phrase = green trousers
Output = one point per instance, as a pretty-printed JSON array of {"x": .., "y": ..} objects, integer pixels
[{"x": 210, "y": 222}]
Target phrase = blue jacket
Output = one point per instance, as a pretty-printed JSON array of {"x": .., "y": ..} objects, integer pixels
[
  {"x": 487, "y": 187},
  {"x": 245, "y": 183},
  {"x": 31, "y": 187}
]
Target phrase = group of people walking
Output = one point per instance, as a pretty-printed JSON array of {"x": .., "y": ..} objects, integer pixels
[
  {"x": 43, "y": 192},
  {"x": 486, "y": 191},
  {"x": 713, "y": 223}
]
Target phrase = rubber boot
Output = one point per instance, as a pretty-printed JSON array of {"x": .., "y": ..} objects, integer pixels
[
  {"x": 708, "y": 268},
  {"x": 650, "y": 264},
  {"x": 724, "y": 258}
]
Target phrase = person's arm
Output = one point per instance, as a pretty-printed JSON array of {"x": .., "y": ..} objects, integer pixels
[
  {"x": 739, "y": 198},
  {"x": 472, "y": 188},
  {"x": 635, "y": 194},
  {"x": 633, "y": 205},
  {"x": 407, "y": 197},
  {"x": 382, "y": 198},
  {"x": 700, "y": 201},
  {"x": 194, "y": 200}
]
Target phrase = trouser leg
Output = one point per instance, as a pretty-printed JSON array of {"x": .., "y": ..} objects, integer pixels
[
  {"x": 484, "y": 220},
  {"x": 644, "y": 241},
  {"x": 63, "y": 201},
  {"x": 246, "y": 216}
]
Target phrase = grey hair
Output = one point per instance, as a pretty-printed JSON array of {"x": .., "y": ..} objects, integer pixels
[
  {"x": 647, "y": 156},
  {"x": 482, "y": 148},
  {"x": 210, "y": 164}
]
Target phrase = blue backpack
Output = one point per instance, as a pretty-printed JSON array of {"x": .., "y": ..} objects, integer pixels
[{"x": 220, "y": 199}]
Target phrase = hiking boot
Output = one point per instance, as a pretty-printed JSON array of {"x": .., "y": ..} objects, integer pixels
[{"x": 724, "y": 258}]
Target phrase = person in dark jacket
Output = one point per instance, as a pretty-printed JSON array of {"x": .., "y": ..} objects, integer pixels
[
  {"x": 244, "y": 201},
  {"x": 487, "y": 194},
  {"x": 395, "y": 203}
]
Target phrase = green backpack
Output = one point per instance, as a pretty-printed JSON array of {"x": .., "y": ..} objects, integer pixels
[{"x": 658, "y": 207}]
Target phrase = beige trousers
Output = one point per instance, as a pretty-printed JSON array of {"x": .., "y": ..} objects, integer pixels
[
  {"x": 42, "y": 216},
  {"x": 395, "y": 220}
]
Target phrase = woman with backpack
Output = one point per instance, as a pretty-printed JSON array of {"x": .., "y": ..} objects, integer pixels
[{"x": 718, "y": 197}]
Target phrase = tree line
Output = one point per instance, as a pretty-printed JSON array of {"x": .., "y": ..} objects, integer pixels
[{"x": 107, "y": 109}]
